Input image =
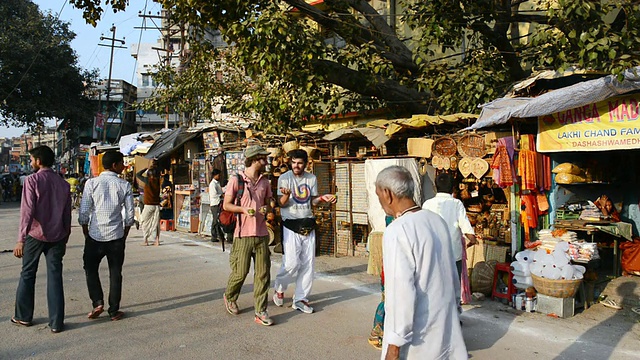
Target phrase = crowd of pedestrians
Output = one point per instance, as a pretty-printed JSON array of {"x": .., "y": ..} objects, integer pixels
[{"x": 417, "y": 319}]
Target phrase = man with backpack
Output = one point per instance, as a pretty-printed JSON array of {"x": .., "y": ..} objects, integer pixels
[
  {"x": 248, "y": 195},
  {"x": 297, "y": 193}
]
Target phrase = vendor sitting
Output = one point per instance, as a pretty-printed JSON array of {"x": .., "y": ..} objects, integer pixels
[{"x": 605, "y": 205}]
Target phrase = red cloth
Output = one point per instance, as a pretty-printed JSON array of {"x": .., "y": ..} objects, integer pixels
[
  {"x": 631, "y": 255},
  {"x": 502, "y": 163},
  {"x": 465, "y": 287}
]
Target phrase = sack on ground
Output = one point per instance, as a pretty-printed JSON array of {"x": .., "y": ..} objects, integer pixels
[{"x": 300, "y": 226}]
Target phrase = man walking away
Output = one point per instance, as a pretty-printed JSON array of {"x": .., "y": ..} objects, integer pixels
[
  {"x": 251, "y": 238},
  {"x": 106, "y": 231},
  {"x": 150, "y": 217},
  {"x": 215, "y": 197},
  {"x": 298, "y": 191},
  {"x": 421, "y": 321},
  {"x": 45, "y": 226},
  {"x": 455, "y": 216}
]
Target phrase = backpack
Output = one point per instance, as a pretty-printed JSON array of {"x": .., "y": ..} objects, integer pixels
[{"x": 228, "y": 219}]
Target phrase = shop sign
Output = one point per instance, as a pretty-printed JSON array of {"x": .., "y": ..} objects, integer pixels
[{"x": 612, "y": 124}]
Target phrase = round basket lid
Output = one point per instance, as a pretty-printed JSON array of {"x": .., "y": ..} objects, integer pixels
[
  {"x": 472, "y": 145},
  {"x": 444, "y": 146}
]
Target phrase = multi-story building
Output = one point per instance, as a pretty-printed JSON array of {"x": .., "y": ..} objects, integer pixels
[{"x": 116, "y": 113}]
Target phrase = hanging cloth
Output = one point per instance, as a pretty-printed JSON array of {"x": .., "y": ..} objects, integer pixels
[
  {"x": 501, "y": 162},
  {"x": 465, "y": 287},
  {"x": 527, "y": 169}
]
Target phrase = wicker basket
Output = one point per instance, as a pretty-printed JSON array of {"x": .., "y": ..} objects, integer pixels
[{"x": 556, "y": 288}]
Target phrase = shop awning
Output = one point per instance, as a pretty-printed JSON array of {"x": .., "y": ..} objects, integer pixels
[
  {"x": 421, "y": 121},
  {"x": 380, "y": 131},
  {"x": 501, "y": 110},
  {"x": 170, "y": 141},
  {"x": 376, "y": 136}
]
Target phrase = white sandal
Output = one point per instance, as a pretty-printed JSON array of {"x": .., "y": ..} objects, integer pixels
[
  {"x": 636, "y": 310},
  {"x": 612, "y": 304}
]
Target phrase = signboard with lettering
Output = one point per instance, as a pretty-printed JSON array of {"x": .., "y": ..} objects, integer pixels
[{"x": 612, "y": 124}]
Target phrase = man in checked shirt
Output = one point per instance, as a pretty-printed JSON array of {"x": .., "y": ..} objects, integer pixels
[{"x": 105, "y": 230}]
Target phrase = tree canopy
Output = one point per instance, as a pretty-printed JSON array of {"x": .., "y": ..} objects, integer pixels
[
  {"x": 39, "y": 75},
  {"x": 292, "y": 60}
]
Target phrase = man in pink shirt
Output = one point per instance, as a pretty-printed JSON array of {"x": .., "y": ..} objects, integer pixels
[
  {"x": 45, "y": 226},
  {"x": 251, "y": 238}
]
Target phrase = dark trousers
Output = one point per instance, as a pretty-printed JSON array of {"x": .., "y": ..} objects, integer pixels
[
  {"x": 53, "y": 253},
  {"x": 94, "y": 251},
  {"x": 216, "y": 228}
]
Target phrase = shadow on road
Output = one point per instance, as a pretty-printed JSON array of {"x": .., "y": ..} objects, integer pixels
[
  {"x": 485, "y": 325},
  {"x": 603, "y": 332}
]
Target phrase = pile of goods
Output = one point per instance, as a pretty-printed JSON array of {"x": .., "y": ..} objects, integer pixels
[
  {"x": 553, "y": 266},
  {"x": 578, "y": 250},
  {"x": 582, "y": 251},
  {"x": 568, "y": 173},
  {"x": 551, "y": 238}
]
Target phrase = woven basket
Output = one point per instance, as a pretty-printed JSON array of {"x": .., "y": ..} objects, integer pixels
[
  {"x": 556, "y": 288},
  {"x": 472, "y": 145},
  {"x": 444, "y": 146},
  {"x": 482, "y": 278},
  {"x": 313, "y": 152},
  {"x": 290, "y": 145}
]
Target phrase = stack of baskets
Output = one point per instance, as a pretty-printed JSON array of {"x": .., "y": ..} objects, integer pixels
[{"x": 556, "y": 288}]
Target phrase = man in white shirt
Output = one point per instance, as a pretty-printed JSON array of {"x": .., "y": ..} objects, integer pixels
[
  {"x": 215, "y": 196},
  {"x": 106, "y": 230},
  {"x": 421, "y": 321},
  {"x": 297, "y": 192},
  {"x": 455, "y": 216}
]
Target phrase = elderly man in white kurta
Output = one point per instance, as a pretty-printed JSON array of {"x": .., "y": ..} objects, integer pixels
[{"x": 421, "y": 320}]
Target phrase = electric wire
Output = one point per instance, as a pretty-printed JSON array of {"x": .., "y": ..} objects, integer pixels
[{"x": 135, "y": 63}]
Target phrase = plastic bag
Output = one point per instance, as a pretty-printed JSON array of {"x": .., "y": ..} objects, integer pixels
[
  {"x": 567, "y": 168},
  {"x": 565, "y": 178}
]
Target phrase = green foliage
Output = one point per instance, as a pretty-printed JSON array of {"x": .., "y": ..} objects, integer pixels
[
  {"x": 292, "y": 62},
  {"x": 39, "y": 75}
]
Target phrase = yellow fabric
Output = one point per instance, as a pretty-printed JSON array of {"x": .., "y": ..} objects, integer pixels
[
  {"x": 73, "y": 183},
  {"x": 418, "y": 122}
]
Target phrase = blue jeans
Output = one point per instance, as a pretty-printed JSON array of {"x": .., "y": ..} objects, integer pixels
[{"x": 25, "y": 294}]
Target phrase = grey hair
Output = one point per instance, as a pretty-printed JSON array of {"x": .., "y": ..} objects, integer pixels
[{"x": 398, "y": 180}]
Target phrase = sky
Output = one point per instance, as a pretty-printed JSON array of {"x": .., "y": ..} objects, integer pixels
[{"x": 92, "y": 56}]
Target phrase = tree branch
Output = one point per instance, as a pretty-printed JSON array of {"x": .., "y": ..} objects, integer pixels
[
  {"x": 361, "y": 36},
  {"x": 502, "y": 43},
  {"x": 386, "y": 32},
  {"x": 414, "y": 101}
]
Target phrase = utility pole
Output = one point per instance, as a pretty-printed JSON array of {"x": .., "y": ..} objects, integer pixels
[
  {"x": 167, "y": 32},
  {"x": 112, "y": 46}
]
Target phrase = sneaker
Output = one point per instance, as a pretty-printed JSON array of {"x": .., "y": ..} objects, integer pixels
[
  {"x": 231, "y": 306},
  {"x": 302, "y": 306},
  {"x": 278, "y": 298},
  {"x": 263, "y": 318}
]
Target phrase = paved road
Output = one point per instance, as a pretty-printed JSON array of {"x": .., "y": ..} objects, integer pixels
[{"x": 173, "y": 300}]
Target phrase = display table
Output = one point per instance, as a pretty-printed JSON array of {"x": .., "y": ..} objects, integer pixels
[{"x": 616, "y": 230}]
